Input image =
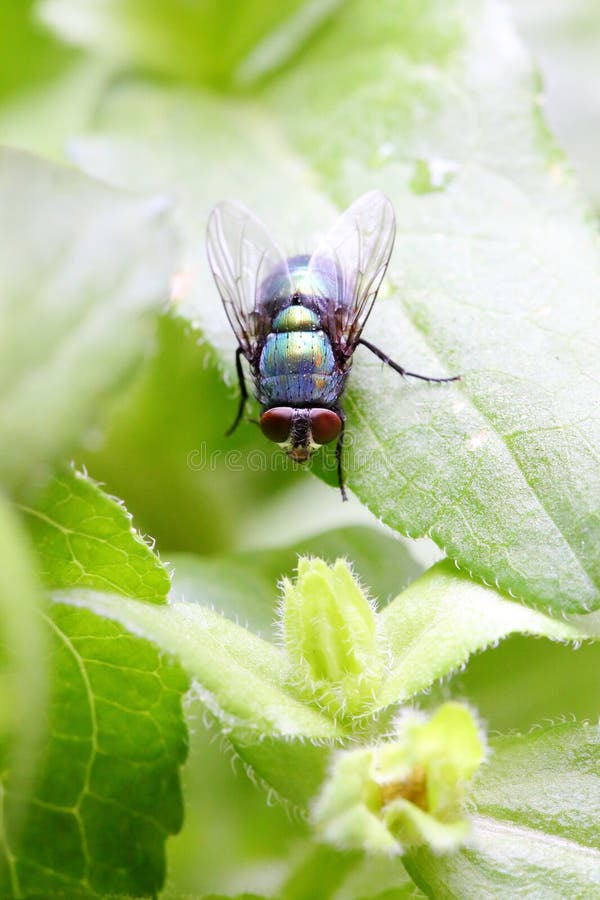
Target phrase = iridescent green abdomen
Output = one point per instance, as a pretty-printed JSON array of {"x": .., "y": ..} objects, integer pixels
[{"x": 297, "y": 365}]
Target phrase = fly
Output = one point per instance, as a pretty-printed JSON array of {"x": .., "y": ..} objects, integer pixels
[{"x": 298, "y": 320}]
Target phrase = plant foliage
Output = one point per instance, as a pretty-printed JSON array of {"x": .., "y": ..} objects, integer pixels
[{"x": 297, "y": 626}]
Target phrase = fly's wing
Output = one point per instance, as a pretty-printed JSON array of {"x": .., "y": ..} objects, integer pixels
[
  {"x": 357, "y": 250},
  {"x": 241, "y": 255}
]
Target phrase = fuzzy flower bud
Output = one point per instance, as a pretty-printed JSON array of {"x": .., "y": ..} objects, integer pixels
[
  {"x": 330, "y": 634},
  {"x": 406, "y": 791}
]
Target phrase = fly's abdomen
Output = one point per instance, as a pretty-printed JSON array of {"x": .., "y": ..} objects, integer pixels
[{"x": 298, "y": 367}]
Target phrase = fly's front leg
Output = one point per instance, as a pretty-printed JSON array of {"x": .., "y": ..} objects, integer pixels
[
  {"x": 390, "y": 362},
  {"x": 339, "y": 447},
  {"x": 243, "y": 391}
]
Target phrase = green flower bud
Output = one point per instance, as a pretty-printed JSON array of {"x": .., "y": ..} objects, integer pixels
[
  {"x": 330, "y": 634},
  {"x": 406, "y": 791}
]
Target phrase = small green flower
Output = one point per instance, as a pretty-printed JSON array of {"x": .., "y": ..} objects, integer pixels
[
  {"x": 407, "y": 791},
  {"x": 330, "y": 634}
]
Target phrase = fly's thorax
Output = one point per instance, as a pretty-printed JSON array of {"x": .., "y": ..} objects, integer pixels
[
  {"x": 314, "y": 280},
  {"x": 297, "y": 364}
]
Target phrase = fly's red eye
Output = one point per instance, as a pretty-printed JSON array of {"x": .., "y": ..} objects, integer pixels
[
  {"x": 325, "y": 425},
  {"x": 276, "y": 423}
]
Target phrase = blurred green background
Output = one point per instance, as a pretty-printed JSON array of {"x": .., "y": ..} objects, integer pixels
[{"x": 161, "y": 445}]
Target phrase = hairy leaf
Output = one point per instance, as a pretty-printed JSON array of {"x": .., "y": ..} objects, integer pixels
[
  {"x": 85, "y": 539},
  {"x": 443, "y": 617},
  {"x": 494, "y": 273},
  {"x": 524, "y": 681},
  {"x": 244, "y": 681},
  {"x": 430, "y": 629},
  {"x": 241, "y": 678}
]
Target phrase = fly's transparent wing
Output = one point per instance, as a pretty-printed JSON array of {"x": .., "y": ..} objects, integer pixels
[
  {"x": 241, "y": 255},
  {"x": 357, "y": 250}
]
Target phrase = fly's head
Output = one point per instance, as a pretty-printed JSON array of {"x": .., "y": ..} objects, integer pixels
[{"x": 300, "y": 432}]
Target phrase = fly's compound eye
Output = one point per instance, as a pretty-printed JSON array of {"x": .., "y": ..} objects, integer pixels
[
  {"x": 325, "y": 425},
  {"x": 276, "y": 423}
]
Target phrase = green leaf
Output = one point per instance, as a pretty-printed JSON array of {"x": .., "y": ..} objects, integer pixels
[
  {"x": 107, "y": 793},
  {"x": 564, "y": 39},
  {"x": 220, "y": 800},
  {"x": 22, "y": 671},
  {"x": 206, "y": 41},
  {"x": 31, "y": 56},
  {"x": 436, "y": 104},
  {"x": 241, "y": 678},
  {"x": 41, "y": 116},
  {"x": 242, "y": 681},
  {"x": 86, "y": 539},
  {"x": 84, "y": 268},
  {"x": 443, "y": 617},
  {"x": 524, "y": 681},
  {"x": 289, "y": 769},
  {"x": 535, "y": 822},
  {"x": 246, "y": 683},
  {"x": 379, "y": 878},
  {"x": 418, "y": 628},
  {"x": 236, "y": 897},
  {"x": 319, "y": 873},
  {"x": 21, "y": 646}
]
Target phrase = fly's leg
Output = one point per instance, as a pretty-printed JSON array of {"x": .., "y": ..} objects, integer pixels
[
  {"x": 243, "y": 391},
  {"x": 338, "y": 453},
  {"x": 390, "y": 362}
]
